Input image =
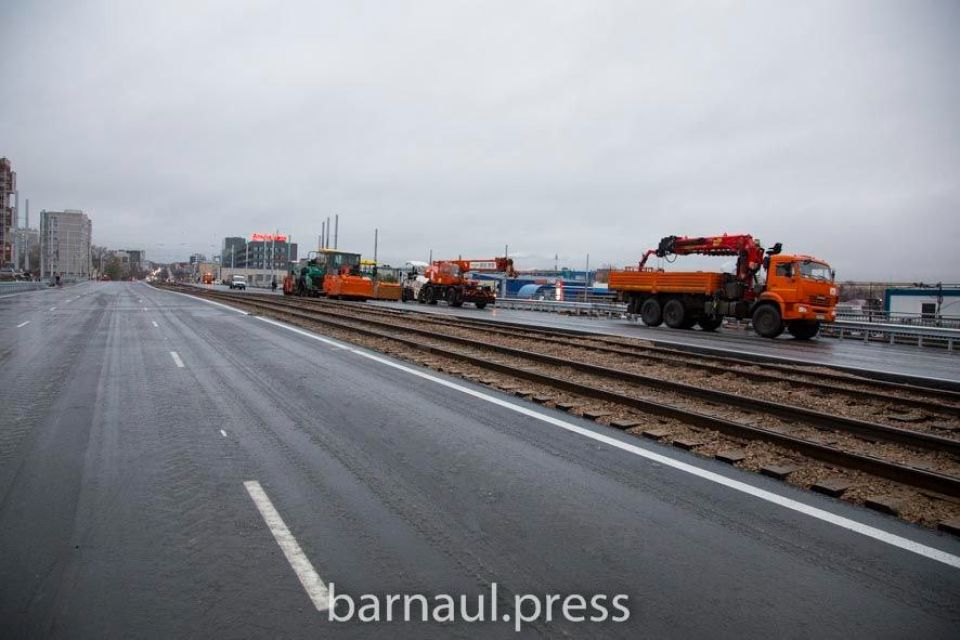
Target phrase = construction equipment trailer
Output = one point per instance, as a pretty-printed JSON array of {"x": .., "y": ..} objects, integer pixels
[{"x": 776, "y": 291}]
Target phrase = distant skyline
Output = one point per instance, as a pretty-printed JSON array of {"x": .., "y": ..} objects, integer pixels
[{"x": 554, "y": 128}]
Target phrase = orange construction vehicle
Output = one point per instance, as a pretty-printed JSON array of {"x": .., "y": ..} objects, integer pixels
[
  {"x": 796, "y": 294},
  {"x": 447, "y": 280},
  {"x": 331, "y": 273},
  {"x": 208, "y": 278},
  {"x": 386, "y": 280}
]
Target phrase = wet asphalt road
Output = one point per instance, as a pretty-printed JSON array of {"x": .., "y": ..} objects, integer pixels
[{"x": 123, "y": 511}]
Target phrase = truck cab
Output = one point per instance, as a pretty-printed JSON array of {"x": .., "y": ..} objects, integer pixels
[{"x": 803, "y": 289}]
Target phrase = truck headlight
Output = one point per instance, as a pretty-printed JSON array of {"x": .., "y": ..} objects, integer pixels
[
  {"x": 802, "y": 309},
  {"x": 833, "y": 291}
]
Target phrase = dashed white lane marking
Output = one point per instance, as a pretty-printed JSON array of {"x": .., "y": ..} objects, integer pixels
[
  {"x": 311, "y": 581},
  {"x": 53, "y": 308},
  {"x": 176, "y": 359},
  {"x": 794, "y": 505},
  {"x": 155, "y": 323},
  {"x": 223, "y": 433},
  {"x": 23, "y": 324}
]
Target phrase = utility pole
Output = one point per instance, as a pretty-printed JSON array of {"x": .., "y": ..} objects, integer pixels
[
  {"x": 26, "y": 262},
  {"x": 586, "y": 275},
  {"x": 42, "y": 218},
  {"x": 376, "y": 238},
  {"x": 326, "y": 238},
  {"x": 323, "y": 231},
  {"x": 336, "y": 229}
]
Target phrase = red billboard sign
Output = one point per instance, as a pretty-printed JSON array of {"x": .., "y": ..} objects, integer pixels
[{"x": 267, "y": 237}]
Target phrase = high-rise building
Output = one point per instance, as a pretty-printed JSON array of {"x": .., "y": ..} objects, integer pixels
[
  {"x": 234, "y": 251},
  {"x": 269, "y": 254},
  {"x": 8, "y": 187},
  {"x": 65, "y": 243}
]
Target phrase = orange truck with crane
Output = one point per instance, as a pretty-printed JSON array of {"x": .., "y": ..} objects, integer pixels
[
  {"x": 447, "y": 280},
  {"x": 797, "y": 293},
  {"x": 330, "y": 273}
]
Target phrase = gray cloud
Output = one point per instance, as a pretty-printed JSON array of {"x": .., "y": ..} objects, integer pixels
[{"x": 463, "y": 126}]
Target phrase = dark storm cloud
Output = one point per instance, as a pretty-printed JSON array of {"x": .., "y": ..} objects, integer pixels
[{"x": 463, "y": 126}]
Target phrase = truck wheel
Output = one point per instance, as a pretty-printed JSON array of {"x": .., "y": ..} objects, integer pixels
[
  {"x": 708, "y": 323},
  {"x": 651, "y": 313},
  {"x": 480, "y": 305},
  {"x": 803, "y": 329},
  {"x": 767, "y": 321},
  {"x": 451, "y": 296},
  {"x": 675, "y": 314},
  {"x": 422, "y": 295}
]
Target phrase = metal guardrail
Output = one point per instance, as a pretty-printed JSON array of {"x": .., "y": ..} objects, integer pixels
[
  {"x": 556, "y": 306},
  {"x": 911, "y": 319},
  {"x": 19, "y": 287},
  {"x": 892, "y": 333},
  {"x": 841, "y": 329}
]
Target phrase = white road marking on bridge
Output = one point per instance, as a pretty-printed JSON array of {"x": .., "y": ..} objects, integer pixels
[
  {"x": 225, "y": 306},
  {"x": 155, "y": 323},
  {"x": 312, "y": 583},
  {"x": 794, "y": 505},
  {"x": 53, "y": 308},
  {"x": 332, "y": 343},
  {"x": 223, "y": 433},
  {"x": 176, "y": 359},
  {"x": 23, "y": 324}
]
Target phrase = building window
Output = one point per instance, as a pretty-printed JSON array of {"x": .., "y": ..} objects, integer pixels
[{"x": 928, "y": 309}]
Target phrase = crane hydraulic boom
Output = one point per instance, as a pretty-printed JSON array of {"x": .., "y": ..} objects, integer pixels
[
  {"x": 487, "y": 265},
  {"x": 748, "y": 250}
]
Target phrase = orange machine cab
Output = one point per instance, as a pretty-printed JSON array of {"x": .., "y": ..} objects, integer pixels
[{"x": 803, "y": 287}]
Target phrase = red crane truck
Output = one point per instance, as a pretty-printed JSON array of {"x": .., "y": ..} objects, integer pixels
[{"x": 797, "y": 294}]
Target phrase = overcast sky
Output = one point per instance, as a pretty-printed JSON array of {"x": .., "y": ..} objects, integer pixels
[{"x": 553, "y": 127}]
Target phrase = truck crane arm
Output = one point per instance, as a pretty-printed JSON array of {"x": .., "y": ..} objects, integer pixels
[
  {"x": 488, "y": 265},
  {"x": 749, "y": 252}
]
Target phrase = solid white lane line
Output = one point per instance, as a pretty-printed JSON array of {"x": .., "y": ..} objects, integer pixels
[
  {"x": 187, "y": 295},
  {"x": 176, "y": 359},
  {"x": 223, "y": 433},
  {"x": 774, "y": 498},
  {"x": 332, "y": 343},
  {"x": 155, "y": 323},
  {"x": 23, "y": 324},
  {"x": 311, "y": 581}
]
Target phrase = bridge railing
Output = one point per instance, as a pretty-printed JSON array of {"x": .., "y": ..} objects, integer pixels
[{"x": 843, "y": 329}]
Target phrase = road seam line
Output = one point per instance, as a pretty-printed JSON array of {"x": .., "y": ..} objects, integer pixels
[
  {"x": 312, "y": 583},
  {"x": 176, "y": 359},
  {"x": 769, "y": 496}
]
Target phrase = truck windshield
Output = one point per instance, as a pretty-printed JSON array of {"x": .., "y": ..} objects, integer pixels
[{"x": 815, "y": 270}]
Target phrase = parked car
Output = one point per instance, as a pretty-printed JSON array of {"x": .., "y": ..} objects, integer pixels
[{"x": 238, "y": 282}]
